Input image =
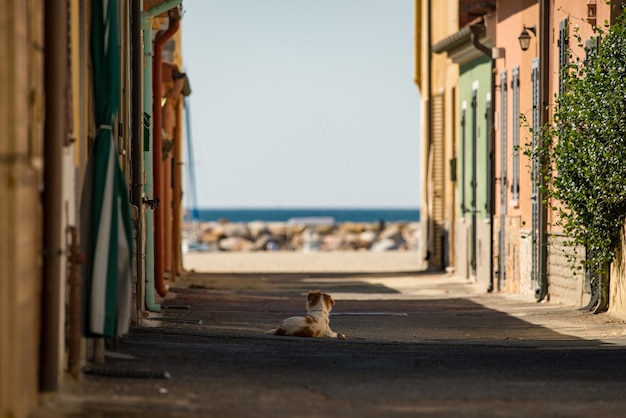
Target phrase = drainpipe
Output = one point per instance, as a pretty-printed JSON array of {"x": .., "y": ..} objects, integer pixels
[
  {"x": 430, "y": 228},
  {"x": 146, "y": 25},
  {"x": 149, "y": 199},
  {"x": 136, "y": 191},
  {"x": 177, "y": 173},
  {"x": 476, "y": 32},
  {"x": 157, "y": 156},
  {"x": 76, "y": 259},
  {"x": 55, "y": 131},
  {"x": 544, "y": 95}
]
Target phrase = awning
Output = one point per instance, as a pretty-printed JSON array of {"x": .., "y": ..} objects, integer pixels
[{"x": 106, "y": 234}]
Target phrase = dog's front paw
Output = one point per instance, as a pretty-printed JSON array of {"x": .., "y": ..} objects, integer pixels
[{"x": 341, "y": 336}]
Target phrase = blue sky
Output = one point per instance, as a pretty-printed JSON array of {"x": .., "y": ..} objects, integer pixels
[{"x": 303, "y": 103}]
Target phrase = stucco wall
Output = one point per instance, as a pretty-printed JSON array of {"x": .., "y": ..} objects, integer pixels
[
  {"x": 483, "y": 254},
  {"x": 462, "y": 247},
  {"x": 565, "y": 284},
  {"x": 474, "y": 78},
  {"x": 20, "y": 212},
  {"x": 526, "y": 287},
  {"x": 577, "y": 14},
  {"x": 617, "y": 286},
  {"x": 511, "y": 17},
  {"x": 440, "y": 21},
  {"x": 513, "y": 245}
]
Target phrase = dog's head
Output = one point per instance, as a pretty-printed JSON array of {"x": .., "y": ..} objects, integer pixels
[{"x": 316, "y": 297}]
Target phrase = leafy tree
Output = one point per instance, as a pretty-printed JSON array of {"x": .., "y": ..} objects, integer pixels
[{"x": 583, "y": 157}]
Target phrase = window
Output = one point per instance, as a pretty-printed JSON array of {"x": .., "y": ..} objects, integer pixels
[
  {"x": 489, "y": 204},
  {"x": 534, "y": 78},
  {"x": 515, "y": 170},
  {"x": 464, "y": 209},
  {"x": 591, "y": 46},
  {"x": 503, "y": 142},
  {"x": 503, "y": 182},
  {"x": 563, "y": 45}
]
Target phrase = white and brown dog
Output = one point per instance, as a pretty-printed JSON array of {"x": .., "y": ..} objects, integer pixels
[{"x": 315, "y": 324}]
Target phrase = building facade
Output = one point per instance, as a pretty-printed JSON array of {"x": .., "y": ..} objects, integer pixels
[
  {"x": 473, "y": 118},
  {"x": 500, "y": 67},
  {"x": 435, "y": 81},
  {"x": 49, "y": 132}
]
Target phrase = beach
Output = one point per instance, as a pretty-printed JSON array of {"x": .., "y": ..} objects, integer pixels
[{"x": 304, "y": 262}]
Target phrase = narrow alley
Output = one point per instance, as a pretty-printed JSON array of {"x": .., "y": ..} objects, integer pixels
[{"x": 417, "y": 344}]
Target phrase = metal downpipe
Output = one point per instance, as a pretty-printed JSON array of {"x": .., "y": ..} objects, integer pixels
[
  {"x": 177, "y": 198},
  {"x": 146, "y": 24},
  {"x": 157, "y": 157},
  {"x": 76, "y": 259},
  {"x": 149, "y": 199},
  {"x": 544, "y": 94},
  {"x": 136, "y": 190},
  {"x": 55, "y": 131},
  {"x": 430, "y": 229}
]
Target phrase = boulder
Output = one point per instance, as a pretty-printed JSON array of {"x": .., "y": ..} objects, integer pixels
[
  {"x": 268, "y": 242},
  {"x": 350, "y": 240},
  {"x": 264, "y": 236},
  {"x": 311, "y": 240},
  {"x": 392, "y": 231},
  {"x": 352, "y": 227},
  {"x": 278, "y": 229},
  {"x": 331, "y": 242},
  {"x": 236, "y": 244},
  {"x": 366, "y": 239},
  {"x": 238, "y": 229},
  {"x": 325, "y": 229},
  {"x": 211, "y": 232},
  {"x": 257, "y": 228},
  {"x": 385, "y": 244}
]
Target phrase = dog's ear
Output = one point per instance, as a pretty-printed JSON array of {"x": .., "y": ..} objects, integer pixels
[
  {"x": 312, "y": 294},
  {"x": 329, "y": 298}
]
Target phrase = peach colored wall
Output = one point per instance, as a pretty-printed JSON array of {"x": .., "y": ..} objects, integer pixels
[
  {"x": 511, "y": 16},
  {"x": 576, "y": 12}
]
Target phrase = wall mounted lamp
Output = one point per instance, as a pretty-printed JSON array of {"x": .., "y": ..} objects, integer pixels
[{"x": 524, "y": 37}]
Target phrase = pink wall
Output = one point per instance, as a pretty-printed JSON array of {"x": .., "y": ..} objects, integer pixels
[
  {"x": 578, "y": 26},
  {"x": 511, "y": 18}
]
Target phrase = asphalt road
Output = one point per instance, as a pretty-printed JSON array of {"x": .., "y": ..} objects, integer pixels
[{"x": 434, "y": 348}]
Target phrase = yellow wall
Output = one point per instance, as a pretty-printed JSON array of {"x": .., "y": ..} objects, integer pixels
[
  {"x": 434, "y": 77},
  {"x": 20, "y": 175}
]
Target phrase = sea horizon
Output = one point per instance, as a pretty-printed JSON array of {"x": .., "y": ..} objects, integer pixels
[{"x": 284, "y": 214}]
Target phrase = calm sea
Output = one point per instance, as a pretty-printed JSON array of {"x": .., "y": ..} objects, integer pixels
[{"x": 284, "y": 214}]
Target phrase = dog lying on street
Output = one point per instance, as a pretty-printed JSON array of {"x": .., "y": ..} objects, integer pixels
[{"x": 315, "y": 324}]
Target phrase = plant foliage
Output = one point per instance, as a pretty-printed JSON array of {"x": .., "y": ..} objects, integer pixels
[{"x": 583, "y": 152}]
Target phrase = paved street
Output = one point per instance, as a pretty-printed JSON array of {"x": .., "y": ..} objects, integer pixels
[{"x": 417, "y": 345}]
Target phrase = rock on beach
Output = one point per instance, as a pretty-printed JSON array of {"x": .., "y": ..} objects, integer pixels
[{"x": 287, "y": 236}]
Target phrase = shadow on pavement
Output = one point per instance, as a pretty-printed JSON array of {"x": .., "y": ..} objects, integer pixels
[
  {"x": 205, "y": 354},
  {"x": 247, "y": 305}
]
